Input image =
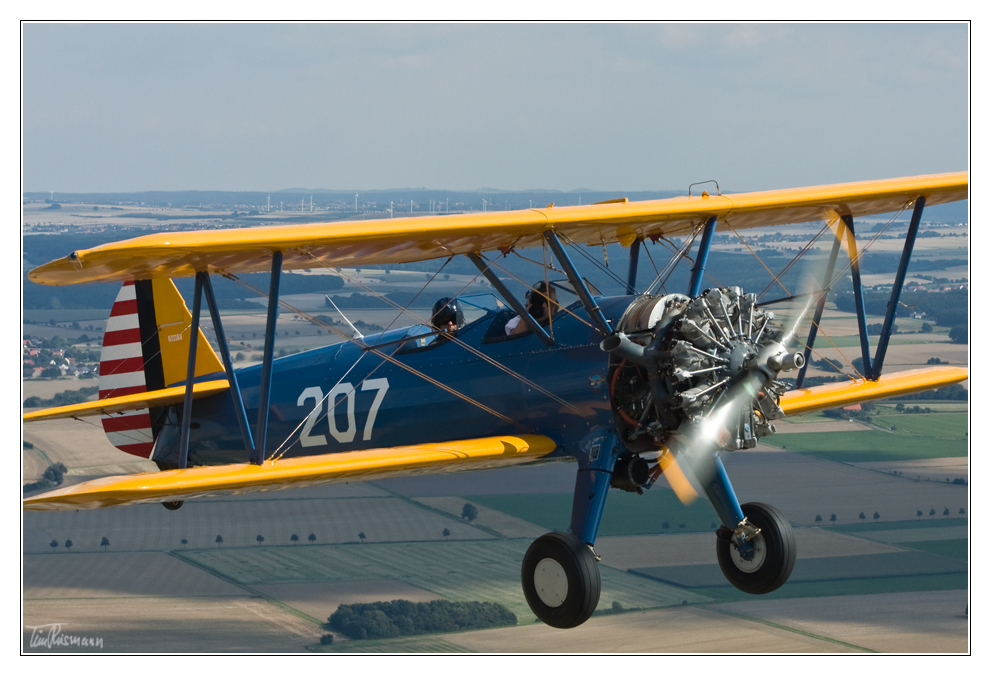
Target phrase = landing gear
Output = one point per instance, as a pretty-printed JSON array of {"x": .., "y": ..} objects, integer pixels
[
  {"x": 561, "y": 580},
  {"x": 172, "y": 505},
  {"x": 765, "y": 565}
]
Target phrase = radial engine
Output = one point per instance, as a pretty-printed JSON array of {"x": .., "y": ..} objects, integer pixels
[{"x": 677, "y": 362}]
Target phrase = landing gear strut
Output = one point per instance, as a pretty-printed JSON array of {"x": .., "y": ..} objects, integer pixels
[
  {"x": 764, "y": 561},
  {"x": 561, "y": 580}
]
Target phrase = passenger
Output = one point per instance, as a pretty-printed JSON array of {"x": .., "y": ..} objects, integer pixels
[
  {"x": 447, "y": 316},
  {"x": 538, "y": 307}
]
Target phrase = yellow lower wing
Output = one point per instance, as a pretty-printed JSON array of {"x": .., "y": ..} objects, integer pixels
[
  {"x": 833, "y": 395},
  {"x": 180, "y": 484},
  {"x": 129, "y": 402}
]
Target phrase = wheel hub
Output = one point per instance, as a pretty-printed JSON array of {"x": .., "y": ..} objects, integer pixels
[
  {"x": 550, "y": 582},
  {"x": 758, "y": 552}
]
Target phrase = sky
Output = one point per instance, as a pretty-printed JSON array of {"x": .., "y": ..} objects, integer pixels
[{"x": 130, "y": 107}]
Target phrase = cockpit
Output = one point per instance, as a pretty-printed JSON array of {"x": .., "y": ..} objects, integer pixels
[{"x": 476, "y": 311}]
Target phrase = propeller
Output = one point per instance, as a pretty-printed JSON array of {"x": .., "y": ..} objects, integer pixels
[
  {"x": 695, "y": 376},
  {"x": 700, "y": 438}
]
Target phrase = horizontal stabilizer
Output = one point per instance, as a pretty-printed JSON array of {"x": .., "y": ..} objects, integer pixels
[
  {"x": 182, "y": 484},
  {"x": 834, "y": 395},
  {"x": 128, "y": 402}
]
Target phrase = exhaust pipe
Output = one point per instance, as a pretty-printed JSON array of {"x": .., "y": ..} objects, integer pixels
[{"x": 624, "y": 348}]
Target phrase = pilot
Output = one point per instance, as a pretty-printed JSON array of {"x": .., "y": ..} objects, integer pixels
[
  {"x": 447, "y": 316},
  {"x": 538, "y": 307}
]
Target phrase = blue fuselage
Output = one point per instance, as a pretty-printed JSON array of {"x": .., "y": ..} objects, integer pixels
[{"x": 346, "y": 397}]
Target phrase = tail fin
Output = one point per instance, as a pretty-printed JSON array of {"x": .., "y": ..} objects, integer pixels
[{"x": 146, "y": 348}]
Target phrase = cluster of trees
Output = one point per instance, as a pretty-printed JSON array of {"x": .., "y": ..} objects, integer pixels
[
  {"x": 877, "y": 515},
  {"x": 959, "y": 334},
  {"x": 832, "y": 517},
  {"x": 902, "y": 408},
  {"x": 68, "y": 544},
  {"x": 388, "y": 619},
  {"x": 62, "y": 398},
  {"x": 875, "y": 329},
  {"x": 946, "y": 512},
  {"x": 863, "y": 415},
  {"x": 52, "y": 477},
  {"x": 955, "y": 392},
  {"x": 261, "y": 538}
]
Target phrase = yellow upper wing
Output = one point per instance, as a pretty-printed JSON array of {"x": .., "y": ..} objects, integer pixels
[{"x": 402, "y": 240}]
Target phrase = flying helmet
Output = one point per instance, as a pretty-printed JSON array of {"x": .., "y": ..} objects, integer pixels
[
  {"x": 537, "y": 296},
  {"x": 448, "y": 310}
]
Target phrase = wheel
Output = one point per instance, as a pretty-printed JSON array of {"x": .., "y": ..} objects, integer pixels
[
  {"x": 774, "y": 555},
  {"x": 561, "y": 580},
  {"x": 172, "y": 505}
]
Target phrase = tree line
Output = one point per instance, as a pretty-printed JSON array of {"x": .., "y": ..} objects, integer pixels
[{"x": 389, "y": 619}]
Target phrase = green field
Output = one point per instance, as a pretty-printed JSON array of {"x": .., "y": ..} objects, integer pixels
[
  {"x": 869, "y": 446},
  {"x": 933, "y": 425},
  {"x": 942, "y": 406},
  {"x": 914, "y": 437},
  {"x": 625, "y": 513},
  {"x": 926, "y": 522},
  {"x": 878, "y": 585},
  {"x": 44, "y": 316},
  {"x": 955, "y": 549},
  {"x": 418, "y": 644}
]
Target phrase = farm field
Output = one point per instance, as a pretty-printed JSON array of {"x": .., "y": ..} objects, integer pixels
[
  {"x": 625, "y": 513},
  {"x": 281, "y": 592},
  {"x": 456, "y": 571},
  {"x": 906, "y": 437},
  {"x": 957, "y": 548},
  {"x": 168, "y": 597}
]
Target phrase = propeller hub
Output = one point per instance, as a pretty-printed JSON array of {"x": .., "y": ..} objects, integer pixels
[{"x": 698, "y": 364}]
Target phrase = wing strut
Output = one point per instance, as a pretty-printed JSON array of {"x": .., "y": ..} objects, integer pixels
[
  {"x": 698, "y": 270},
  {"x": 896, "y": 289},
  {"x": 486, "y": 268},
  {"x": 872, "y": 370},
  {"x": 594, "y": 313},
  {"x": 187, "y": 403},
  {"x": 265, "y": 387},
  {"x": 631, "y": 273},
  {"x": 225, "y": 355},
  {"x": 858, "y": 294}
]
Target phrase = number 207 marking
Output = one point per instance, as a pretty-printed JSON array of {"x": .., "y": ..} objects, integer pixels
[{"x": 308, "y": 438}]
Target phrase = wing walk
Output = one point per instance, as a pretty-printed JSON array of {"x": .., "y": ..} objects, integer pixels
[
  {"x": 181, "y": 484},
  {"x": 402, "y": 240}
]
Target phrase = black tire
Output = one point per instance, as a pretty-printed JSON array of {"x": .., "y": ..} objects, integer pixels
[
  {"x": 775, "y": 552},
  {"x": 172, "y": 505},
  {"x": 561, "y": 580}
]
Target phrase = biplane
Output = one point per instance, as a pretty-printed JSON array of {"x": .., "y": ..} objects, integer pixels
[{"x": 632, "y": 387}]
